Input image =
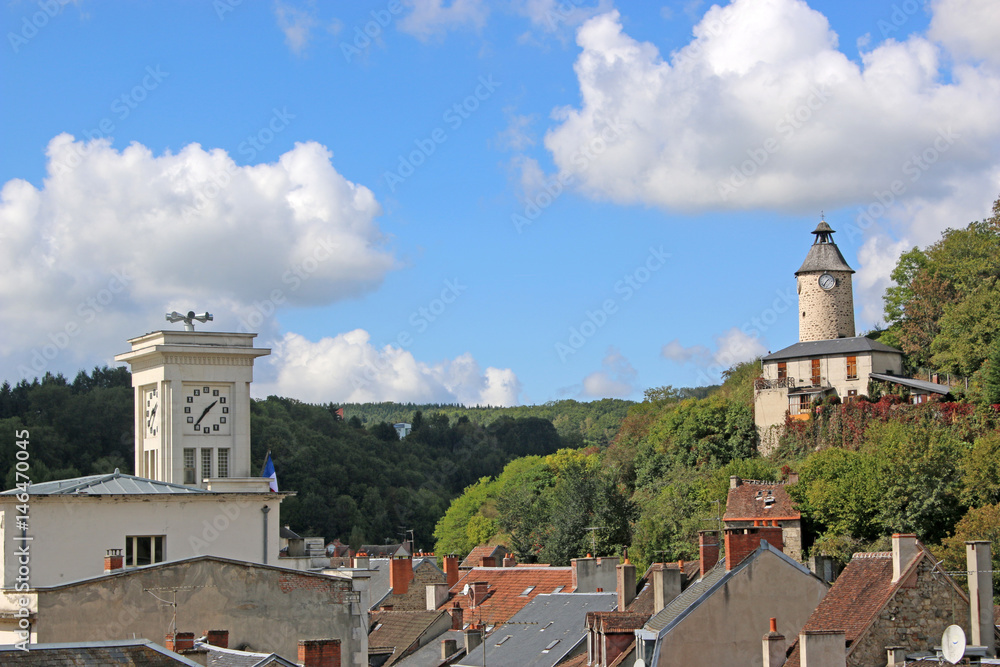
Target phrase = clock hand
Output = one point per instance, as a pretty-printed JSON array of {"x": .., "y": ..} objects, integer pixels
[
  {"x": 152, "y": 415},
  {"x": 205, "y": 412}
]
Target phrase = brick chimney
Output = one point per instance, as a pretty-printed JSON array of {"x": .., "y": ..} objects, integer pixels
[
  {"x": 457, "y": 616},
  {"x": 774, "y": 646},
  {"x": 400, "y": 575},
  {"x": 218, "y": 638},
  {"x": 488, "y": 561},
  {"x": 822, "y": 648},
  {"x": 478, "y": 591},
  {"x": 708, "y": 549},
  {"x": 448, "y": 648},
  {"x": 181, "y": 641},
  {"x": 113, "y": 560},
  {"x": 980, "y": 567},
  {"x": 904, "y": 550},
  {"x": 319, "y": 652},
  {"x": 741, "y": 542},
  {"x": 509, "y": 560},
  {"x": 451, "y": 569},
  {"x": 625, "y": 585},
  {"x": 667, "y": 583}
]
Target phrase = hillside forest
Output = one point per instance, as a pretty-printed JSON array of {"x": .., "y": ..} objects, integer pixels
[{"x": 555, "y": 481}]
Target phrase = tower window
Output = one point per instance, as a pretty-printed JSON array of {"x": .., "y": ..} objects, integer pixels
[
  {"x": 852, "y": 368},
  {"x": 189, "y": 472}
]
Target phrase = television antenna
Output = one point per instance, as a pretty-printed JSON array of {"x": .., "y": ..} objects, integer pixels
[
  {"x": 593, "y": 537},
  {"x": 953, "y": 644},
  {"x": 173, "y": 601}
]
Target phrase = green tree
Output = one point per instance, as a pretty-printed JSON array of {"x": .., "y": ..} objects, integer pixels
[
  {"x": 991, "y": 387},
  {"x": 981, "y": 471}
]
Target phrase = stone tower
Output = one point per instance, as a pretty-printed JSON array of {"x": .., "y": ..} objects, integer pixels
[{"x": 826, "y": 298}]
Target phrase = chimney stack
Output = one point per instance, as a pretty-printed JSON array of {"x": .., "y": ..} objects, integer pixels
[
  {"x": 473, "y": 638},
  {"x": 774, "y": 646},
  {"x": 400, "y": 574},
  {"x": 180, "y": 641},
  {"x": 319, "y": 652},
  {"x": 735, "y": 482},
  {"x": 509, "y": 560},
  {"x": 741, "y": 542},
  {"x": 477, "y": 593},
  {"x": 457, "y": 616},
  {"x": 625, "y": 584},
  {"x": 113, "y": 560},
  {"x": 451, "y": 569},
  {"x": 362, "y": 561},
  {"x": 218, "y": 638},
  {"x": 980, "y": 567},
  {"x": 895, "y": 656},
  {"x": 437, "y": 595},
  {"x": 708, "y": 549},
  {"x": 904, "y": 550},
  {"x": 822, "y": 648},
  {"x": 448, "y": 648},
  {"x": 667, "y": 583}
]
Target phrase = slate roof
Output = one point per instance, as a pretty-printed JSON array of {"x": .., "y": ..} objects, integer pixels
[
  {"x": 507, "y": 590},
  {"x": 680, "y": 604},
  {"x": 753, "y": 499},
  {"x": 824, "y": 256},
  {"x": 378, "y": 584},
  {"x": 122, "y": 653},
  {"x": 227, "y": 657},
  {"x": 429, "y": 655},
  {"x": 116, "y": 483},
  {"x": 544, "y": 632},
  {"x": 475, "y": 557},
  {"x": 399, "y": 630},
  {"x": 832, "y": 347},
  {"x": 382, "y": 550},
  {"x": 913, "y": 383}
]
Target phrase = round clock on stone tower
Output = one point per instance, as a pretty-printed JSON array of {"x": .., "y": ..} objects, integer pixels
[{"x": 826, "y": 296}]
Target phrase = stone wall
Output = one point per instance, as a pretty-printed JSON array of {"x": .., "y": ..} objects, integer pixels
[{"x": 825, "y": 314}]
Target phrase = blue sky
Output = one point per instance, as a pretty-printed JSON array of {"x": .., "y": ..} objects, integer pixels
[{"x": 482, "y": 202}]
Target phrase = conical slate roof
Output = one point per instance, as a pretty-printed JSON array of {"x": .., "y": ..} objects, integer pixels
[{"x": 824, "y": 255}]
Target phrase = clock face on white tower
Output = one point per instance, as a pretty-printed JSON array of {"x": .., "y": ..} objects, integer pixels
[
  {"x": 207, "y": 409},
  {"x": 151, "y": 411}
]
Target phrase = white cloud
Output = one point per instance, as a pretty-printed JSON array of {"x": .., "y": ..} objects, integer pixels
[
  {"x": 430, "y": 18},
  {"x": 617, "y": 379},
  {"x": 761, "y": 110},
  {"x": 967, "y": 28},
  {"x": 348, "y": 368},
  {"x": 731, "y": 347},
  {"x": 113, "y": 239},
  {"x": 554, "y": 15},
  {"x": 296, "y": 24}
]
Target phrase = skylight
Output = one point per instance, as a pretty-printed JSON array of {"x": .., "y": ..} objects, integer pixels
[
  {"x": 504, "y": 639},
  {"x": 527, "y": 590},
  {"x": 551, "y": 646}
]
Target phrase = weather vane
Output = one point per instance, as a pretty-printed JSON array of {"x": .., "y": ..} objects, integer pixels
[{"x": 189, "y": 319}]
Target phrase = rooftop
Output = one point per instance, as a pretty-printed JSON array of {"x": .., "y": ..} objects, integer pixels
[
  {"x": 399, "y": 630},
  {"x": 824, "y": 255},
  {"x": 378, "y": 585},
  {"x": 913, "y": 383},
  {"x": 828, "y": 348},
  {"x": 227, "y": 657},
  {"x": 121, "y": 653},
  {"x": 117, "y": 483},
  {"x": 509, "y": 589},
  {"x": 475, "y": 557},
  {"x": 759, "y": 500},
  {"x": 544, "y": 632}
]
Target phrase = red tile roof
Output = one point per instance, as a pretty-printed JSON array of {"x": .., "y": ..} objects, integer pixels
[
  {"x": 505, "y": 586},
  {"x": 760, "y": 500},
  {"x": 857, "y": 596},
  {"x": 475, "y": 557}
]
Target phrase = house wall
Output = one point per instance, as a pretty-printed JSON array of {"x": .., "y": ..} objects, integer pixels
[
  {"x": 726, "y": 628},
  {"x": 72, "y": 533},
  {"x": 268, "y": 609},
  {"x": 415, "y": 598},
  {"x": 915, "y": 617}
]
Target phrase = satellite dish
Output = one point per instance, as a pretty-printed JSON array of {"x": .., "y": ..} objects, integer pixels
[
  {"x": 640, "y": 663},
  {"x": 953, "y": 644},
  {"x": 465, "y": 591}
]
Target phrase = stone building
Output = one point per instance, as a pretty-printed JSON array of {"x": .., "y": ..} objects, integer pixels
[{"x": 754, "y": 503}]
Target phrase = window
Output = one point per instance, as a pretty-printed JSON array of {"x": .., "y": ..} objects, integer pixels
[
  {"x": 222, "y": 470},
  {"x": 143, "y": 550},
  {"x": 527, "y": 591},
  {"x": 815, "y": 372},
  {"x": 189, "y": 476},
  {"x": 799, "y": 404},
  {"x": 782, "y": 370},
  {"x": 852, "y": 368},
  {"x": 206, "y": 463}
]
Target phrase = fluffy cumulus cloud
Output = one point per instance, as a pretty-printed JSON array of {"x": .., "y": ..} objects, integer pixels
[
  {"x": 116, "y": 238},
  {"x": 616, "y": 379},
  {"x": 349, "y": 368},
  {"x": 432, "y": 18},
  {"x": 296, "y": 24},
  {"x": 761, "y": 109},
  {"x": 731, "y": 347}
]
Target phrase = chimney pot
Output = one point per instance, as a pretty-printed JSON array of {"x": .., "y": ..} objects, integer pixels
[{"x": 774, "y": 646}]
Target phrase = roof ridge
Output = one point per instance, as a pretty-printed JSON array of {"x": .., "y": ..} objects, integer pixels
[{"x": 871, "y": 554}]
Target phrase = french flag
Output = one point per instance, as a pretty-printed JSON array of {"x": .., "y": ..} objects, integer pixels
[{"x": 269, "y": 472}]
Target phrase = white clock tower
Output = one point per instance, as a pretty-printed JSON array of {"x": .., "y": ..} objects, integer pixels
[{"x": 192, "y": 405}]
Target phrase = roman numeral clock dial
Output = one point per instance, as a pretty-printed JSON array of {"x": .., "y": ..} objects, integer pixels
[{"x": 206, "y": 409}]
